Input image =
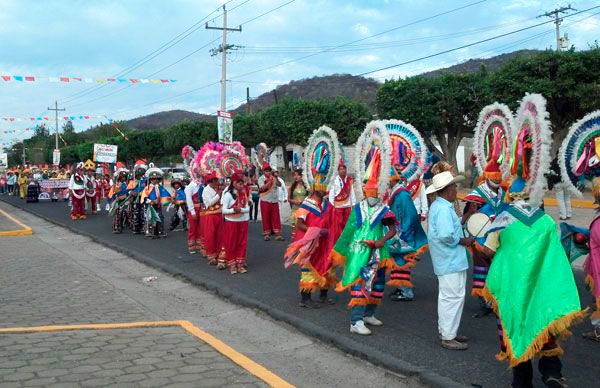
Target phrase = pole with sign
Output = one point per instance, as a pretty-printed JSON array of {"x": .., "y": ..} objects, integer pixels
[
  {"x": 3, "y": 160},
  {"x": 105, "y": 153},
  {"x": 56, "y": 157},
  {"x": 225, "y": 127}
]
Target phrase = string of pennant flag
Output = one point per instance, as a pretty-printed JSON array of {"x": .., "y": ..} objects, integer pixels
[
  {"x": 48, "y": 118},
  {"x": 87, "y": 80}
]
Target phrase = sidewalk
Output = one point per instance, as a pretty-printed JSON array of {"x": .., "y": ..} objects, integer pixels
[{"x": 55, "y": 277}]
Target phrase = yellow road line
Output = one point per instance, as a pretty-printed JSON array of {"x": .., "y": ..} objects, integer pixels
[
  {"x": 19, "y": 232},
  {"x": 252, "y": 367}
]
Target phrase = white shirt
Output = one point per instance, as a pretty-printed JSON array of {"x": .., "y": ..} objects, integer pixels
[
  {"x": 282, "y": 191},
  {"x": 210, "y": 197},
  {"x": 336, "y": 188},
  {"x": 75, "y": 186},
  {"x": 227, "y": 202},
  {"x": 189, "y": 191},
  {"x": 420, "y": 201}
]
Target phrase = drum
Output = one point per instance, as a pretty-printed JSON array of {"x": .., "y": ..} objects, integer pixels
[{"x": 478, "y": 225}]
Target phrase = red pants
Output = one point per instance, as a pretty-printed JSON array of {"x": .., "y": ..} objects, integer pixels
[
  {"x": 212, "y": 230},
  {"x": 270, "y": 217},
  {"x": 194, "y": 235},
  {"x": 78, "y": 205},
  {"x": 235, "y": 241},
  {"x": 93, "y": 202},
  {"x": 339, "y": 217}
]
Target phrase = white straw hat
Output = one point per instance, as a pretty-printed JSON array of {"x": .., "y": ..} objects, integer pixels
[{"x": 442, "y": 180}]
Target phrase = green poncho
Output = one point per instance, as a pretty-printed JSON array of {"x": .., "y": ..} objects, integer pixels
[
  {"x": 530, "y": 284},
  {"x": 365, "y": 223}
]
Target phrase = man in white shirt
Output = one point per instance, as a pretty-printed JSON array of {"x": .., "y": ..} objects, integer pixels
[
  {"x": 268, "y": 186},
  {"x": 417, "y": 191},
  {"x": 342, "y": 197}
]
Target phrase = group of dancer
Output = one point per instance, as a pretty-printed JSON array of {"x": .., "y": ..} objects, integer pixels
[{"x": 369, "y": 231}]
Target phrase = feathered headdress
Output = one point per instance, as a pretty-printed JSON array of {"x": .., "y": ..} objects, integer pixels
[
  {"x": 493, "y": 140},
  {"x": 530, "y": 159},
  {"x": 154, "y": 172},
  {"x": 231, "y": 159},
  {"x": 260, "y": 155},
  {"x": 321, "y": 159},
  {"x": 409, "y": 152},
  {"x": 207, "y": 156},
  {"x": 372, "y": 160},
  {"x": 188, "y": 154},
  {"x": 579, "y": 153}
]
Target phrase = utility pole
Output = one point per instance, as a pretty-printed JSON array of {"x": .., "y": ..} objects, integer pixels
[
  {"x": 56, "y": 110},
  {"x": 223, "y": 48},
  {"x": 557, "y": 21},
  {"x": 247, "y": 100}
]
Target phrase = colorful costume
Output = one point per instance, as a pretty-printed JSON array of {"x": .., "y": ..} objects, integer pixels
[
  {"x": 298, "y": 193},
  {"x": 33, "y": 191},
  {"x": 180, "y": 206},
  {"x": 77, "y": 193},
  {"x": 137, "y": 207},
  {"x": 493, "y": 139},
  {"x": 193, "y": 198},
  {"x": 118, "y": 198},
  {"x": 311, "y": 247},
  {"x": 235, "y": 230},
  {"x": 579, "y": 159},
  {"x": 342, "y": 197},
  {"x": 408, "y": 159},
  {"x": 361, "y": 248},
  {"x": 155, "y": 196},
  {"x": 91, "y": 186},
  {"x": 530, "y": 283},
  {"x": 212, "y": 223},
  {"x": 22, "y": 183},
  {"x": 269, "y": 204}
]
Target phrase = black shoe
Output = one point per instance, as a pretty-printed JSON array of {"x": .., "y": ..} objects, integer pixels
[
  {"x": 398, "y": 296},
  {"x": 555, "y": 382},
  {"x": 483, "y": 312},
  {"x": 309, "y": 304}
]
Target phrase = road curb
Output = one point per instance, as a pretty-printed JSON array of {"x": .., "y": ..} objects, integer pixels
[{"x": 346, "y": 345}]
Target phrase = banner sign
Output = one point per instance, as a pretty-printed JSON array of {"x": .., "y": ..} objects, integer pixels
[
  {"x": 56, "y": 157},
  {"x": 87, "y": 80},
  {"x": 48, "y": 118},
  {"x": 49, "y": 184},
  {"x": 225, "y": 127},
  {"x": 3, "y": 160},
  {"x": 105, "y": 153}
]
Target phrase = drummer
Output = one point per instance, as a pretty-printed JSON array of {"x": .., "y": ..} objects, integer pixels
[{"x": 487, "y": 201}]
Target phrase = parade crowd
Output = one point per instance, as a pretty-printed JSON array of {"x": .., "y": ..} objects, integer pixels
[{"x": 360, "y": 235}]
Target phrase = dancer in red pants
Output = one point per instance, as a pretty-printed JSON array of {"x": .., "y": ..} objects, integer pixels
[
  {"x": 77, "y": 193},
  {"x": 212, "y": 221},
  {"x": 269, "y": 203},
  {"x": 193, "y": 198},
  {"x": 342, "y": 197},
  {"x": 237, "y": 213}
]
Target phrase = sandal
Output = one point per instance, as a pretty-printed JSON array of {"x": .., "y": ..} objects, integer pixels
[{"x": 593, "y": 335}]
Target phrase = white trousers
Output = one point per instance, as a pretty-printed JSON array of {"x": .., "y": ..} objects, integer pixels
[
  {"x": 563, "y": 197},
  {"x": 451, "y": 300}
]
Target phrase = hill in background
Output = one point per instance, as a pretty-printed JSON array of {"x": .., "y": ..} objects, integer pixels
[{"x": 328, "y": 87}]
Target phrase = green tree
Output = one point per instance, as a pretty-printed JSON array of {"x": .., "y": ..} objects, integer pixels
[{"x": 444, "y": 108}]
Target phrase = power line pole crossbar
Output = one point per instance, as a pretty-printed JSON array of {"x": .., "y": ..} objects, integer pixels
[
  {"x": 223, "y": 50},
  {"x": 557, "y": 21}
]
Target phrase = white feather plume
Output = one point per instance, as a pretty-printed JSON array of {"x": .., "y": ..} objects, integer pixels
[
  {"x": 329, "y": 136},
  {"x": 422, "y": 156},
  {"x": 493, "y": 111},
  {"x": 374, "y": 130}
]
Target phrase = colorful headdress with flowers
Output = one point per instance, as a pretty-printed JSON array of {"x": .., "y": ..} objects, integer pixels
[
  {"x": 530, "y": 159},
  {"x": 321, "y": 159},
  {"x": 232, "y": 158},
  {"x": 579, "y": 154},
  {"x": 207, "y": 156},
  {"x": 408, "y": 150},
  {"x": 493, "y": 141},
  {"x": 373, "y": 160}
]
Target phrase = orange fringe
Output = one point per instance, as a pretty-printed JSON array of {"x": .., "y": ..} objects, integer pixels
[
  {"x": 558, "y": 328},
  {"x": 374, "y": 301},
  {"x": 307, "y": 286},
  {"x": 358, "y": 302},
  {"x": 415, "y": 255},
  {"x": 476, "y": 292},
  {"x": 589, "y": 281},
  {"x": 337, "y": 259},
  {"x": 400, "y": 283}
]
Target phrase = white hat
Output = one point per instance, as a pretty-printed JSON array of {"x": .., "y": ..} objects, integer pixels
[{"x": 442, "y": 180}]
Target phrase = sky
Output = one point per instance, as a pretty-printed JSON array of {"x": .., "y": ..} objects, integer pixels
[{"x": 298, "y": 39}]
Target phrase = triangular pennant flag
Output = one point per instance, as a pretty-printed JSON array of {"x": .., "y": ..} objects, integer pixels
[
  {"x": 6, "y": 77},
  {"x": 18, "y": 77},
  {"x": 29, "y": 78},
  {"x": 64, "y": 79}
]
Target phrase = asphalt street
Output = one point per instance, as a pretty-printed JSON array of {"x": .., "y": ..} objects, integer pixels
[{"x": 408, "y": 340}]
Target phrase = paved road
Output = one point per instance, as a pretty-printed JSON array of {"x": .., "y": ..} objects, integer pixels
[
  {"x": 406, "y": 342},
  {"x": 57, "y": 277}
]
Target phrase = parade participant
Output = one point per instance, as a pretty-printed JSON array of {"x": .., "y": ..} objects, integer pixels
[
  {"x": 212, "y": 221},
  {"x": 102, "y": 188},
  {"x": 408, "y": 157},
  {"x": 579, "y": 160},
  {"x": 269, "y": 203},
  {"x": 193, "y": 198},
  {"x": 254, "y": 192},
  {"x": 342, "y": 197},
  {"x": 530, "y": 283},
  {"x": 492, "y": 146},
  {"x": 180, "y": 206},
  {"x": 236, "y": 209},
  {"x": 33, "y": 190},
  {"x": 362, "y": 248},
  {"x": 91, "y": 186},
  {"x": 118, "y": 197},
  {"x": 11, "y": 182},
  {"x": 417, "y": 192},
  {"x": 298, "y": 192},
  {"x": 311, "y": 248},
  {"x": 137, "y": 206},
  {"x": 77, "y": 193},
  {"x": 449, "y": 256},
  {"x": 437, "y": 168},
  {"x": 22, "y": 182},
  {"x": 155, "y": 196}
]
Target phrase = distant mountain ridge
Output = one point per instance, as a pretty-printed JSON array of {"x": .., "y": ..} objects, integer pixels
[{"x": 327, "y": 87}]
